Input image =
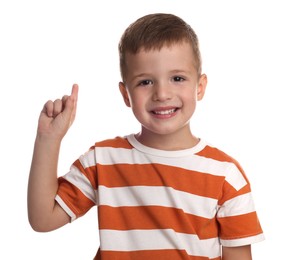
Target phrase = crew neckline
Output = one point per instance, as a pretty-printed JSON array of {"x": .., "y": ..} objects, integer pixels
[{"x": 164, "y": 153}]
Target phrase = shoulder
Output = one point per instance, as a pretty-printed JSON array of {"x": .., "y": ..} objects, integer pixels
[
  {"x": 233, "y": 170},
  {"x": 212, "y": 152},
  {"x": 116, "y": 142}
]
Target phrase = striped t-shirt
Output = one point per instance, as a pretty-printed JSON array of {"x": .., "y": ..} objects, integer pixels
[{"x": 155, "y": 204}]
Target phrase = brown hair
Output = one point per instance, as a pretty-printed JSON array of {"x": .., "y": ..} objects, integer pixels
[{"x": 154, "y": 31}]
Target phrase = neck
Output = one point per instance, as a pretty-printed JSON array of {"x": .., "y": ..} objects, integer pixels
[{"x": 170, "y": 142}]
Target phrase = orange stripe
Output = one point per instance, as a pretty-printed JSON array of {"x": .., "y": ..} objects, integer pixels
[
  {"x": 149, "y": 255},
  {"x": 216, "y": 154},
  {"x": 121, "y": 175},
  {"x": 118, "y": 142},
  {"x": 156, "y": 217},
  {"x": 228, "y": 192},
  {"x": 239, "y": 226},
  {"x": 74, "y": 198},
  {"x": 89, "y": 172}
]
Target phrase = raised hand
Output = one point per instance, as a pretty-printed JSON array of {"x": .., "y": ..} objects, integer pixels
[{"x": 57, "y": 116}]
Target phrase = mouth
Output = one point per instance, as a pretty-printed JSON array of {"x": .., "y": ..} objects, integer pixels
[{"x": 165, "y": 112}]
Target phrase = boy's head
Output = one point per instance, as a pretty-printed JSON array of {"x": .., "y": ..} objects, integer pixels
[{"x": 154, "y": 31}]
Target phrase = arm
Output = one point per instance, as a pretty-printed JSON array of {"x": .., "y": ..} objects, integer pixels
[
  {"x": 237, "y": 253},
  {"x": 44, "y": 213}
]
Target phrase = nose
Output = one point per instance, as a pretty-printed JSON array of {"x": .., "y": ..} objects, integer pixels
[{"x": 162, "y": 91}]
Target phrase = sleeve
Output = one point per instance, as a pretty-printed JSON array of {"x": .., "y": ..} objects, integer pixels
[
  {"x": 237, "y": 218},
  {"x": 77, "y": 191}
]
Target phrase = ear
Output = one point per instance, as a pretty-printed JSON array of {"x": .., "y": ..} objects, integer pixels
[
  {"x": 202, "y": 86},
  {"x": 124, "y": 93}
]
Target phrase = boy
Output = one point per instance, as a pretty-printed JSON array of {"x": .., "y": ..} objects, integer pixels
[{"x": 162, "y": 193}]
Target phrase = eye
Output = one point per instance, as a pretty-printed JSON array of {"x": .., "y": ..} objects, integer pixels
[
  {"x": 178, "y": 79},
  {"x": 145, "y": 82}
]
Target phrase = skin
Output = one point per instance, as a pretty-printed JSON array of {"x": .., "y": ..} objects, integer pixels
[
  {"x": 237, "y": 253},
  {"x": 56, "y": 117},
  {"x": 162, "y": 88}
]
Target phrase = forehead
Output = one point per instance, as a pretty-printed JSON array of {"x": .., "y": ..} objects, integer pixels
[{"x": 175, "y": 55}]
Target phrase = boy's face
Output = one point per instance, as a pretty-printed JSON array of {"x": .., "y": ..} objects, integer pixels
[{"x": 162, "y": 88}]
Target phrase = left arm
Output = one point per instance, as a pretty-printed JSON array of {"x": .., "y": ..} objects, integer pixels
[{"x": 237, "y": 253}]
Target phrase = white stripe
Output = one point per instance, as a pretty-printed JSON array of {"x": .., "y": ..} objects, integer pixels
[
  {"x": 109, "y": 156},
  {"x": 158, "y": 196},
  {"x": 235, "y": 177},
  {"x": 88, "y": 159},
  {"x": 134, "y": 240},
  {"x": 179, "y": 153},
  {"x": 239, "y": 205},
  {"x": 79, "y": 180},
  {"x": 243, "y": 241}
]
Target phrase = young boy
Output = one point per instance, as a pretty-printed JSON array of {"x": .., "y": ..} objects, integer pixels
[{"x": 162, "y": 193}]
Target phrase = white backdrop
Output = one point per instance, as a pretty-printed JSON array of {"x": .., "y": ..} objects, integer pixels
[{"x": 46, "y": 46}]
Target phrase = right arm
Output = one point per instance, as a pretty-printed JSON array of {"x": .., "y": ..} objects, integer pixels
[{"x": 44, "y": 212}]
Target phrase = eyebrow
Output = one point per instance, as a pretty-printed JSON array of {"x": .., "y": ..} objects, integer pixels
[
  {"x": 171, "y": 71},
  {"x": 141, "y": 75},
  {"x": 179, "y": 71}
]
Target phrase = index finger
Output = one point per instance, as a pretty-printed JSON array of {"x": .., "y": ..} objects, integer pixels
[{"x": 74, "y": 92}]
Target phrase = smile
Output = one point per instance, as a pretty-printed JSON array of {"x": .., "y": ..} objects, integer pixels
[{"x": 165, "y": 112}]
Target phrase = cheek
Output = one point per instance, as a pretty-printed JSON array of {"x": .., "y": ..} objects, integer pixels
[
  {"x": 138, "y": 99},
  {"x": 135, "y": 100},
  {"x": 190, "y": 96},
  {"x": 138, "y": 105}
]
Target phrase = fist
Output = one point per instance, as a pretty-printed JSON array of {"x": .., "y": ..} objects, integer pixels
[{"x": 57, "y": 116}]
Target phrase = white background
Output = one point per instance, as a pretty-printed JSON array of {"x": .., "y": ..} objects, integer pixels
[{"x": 46, "y": 46}]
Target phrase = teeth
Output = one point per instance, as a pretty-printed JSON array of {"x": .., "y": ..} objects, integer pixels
[{"x": 165, "y": 112}]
